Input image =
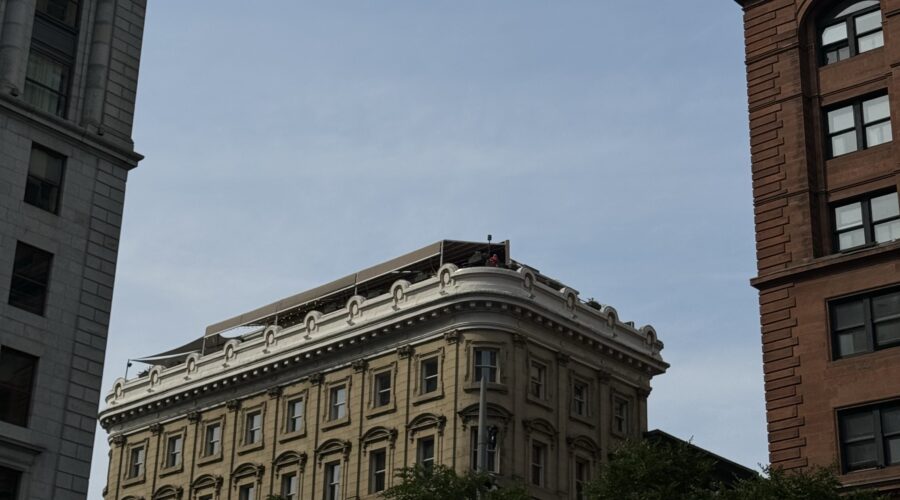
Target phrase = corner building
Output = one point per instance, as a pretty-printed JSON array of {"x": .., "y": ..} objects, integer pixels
[
  {"x": 826, "y": 167},
  {"x": 325, "y": 394},
  {"x": 68, "y": 76}
]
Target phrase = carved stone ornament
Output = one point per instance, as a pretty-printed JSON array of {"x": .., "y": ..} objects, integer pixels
[
  {"x": 193, "y": 416},
  {"x": 274, "y": 392},
  {"x": 359, "y": 365},
  {"x": 303, "y": 459},
  {"x": 118, "y": 439},
  {"x": 405, "y": 351},
  {"x": 233, "y": 404},
  {"x": 644, "y": 391},
  {"x": 519, "y": 339},
  {"x": 563, "y": 358},
  {"x": 156, "y": 428},
  {"x": 316, "y": 378}
]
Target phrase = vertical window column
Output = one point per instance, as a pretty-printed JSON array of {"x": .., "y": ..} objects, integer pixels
[
  {"x": 17, "y": 371},
  {"x": 30, "y": 278}
]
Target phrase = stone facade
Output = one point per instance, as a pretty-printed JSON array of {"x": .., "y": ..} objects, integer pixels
[
  {"x": 798, "y": 78},
  {"x": 94, "y": 47},
  {"x": 386, "y": 381}
]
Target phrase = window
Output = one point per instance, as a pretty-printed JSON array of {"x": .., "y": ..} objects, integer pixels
[
  {"x": 45, "y": 172},
  {"x": 247, "y": 492},
  {"x": 620, "y": 416},
  {"x": 377, "y": 470},
  {"x": 173, "y": 451},
  {"x": 9, "y": 483},
  {"x": 213, "y": 442},
  {"x": 859, "y": 125},
  {"x": 30, "y": 276},
  {"x": 486, "y": 364},
  {"x": 253, "y": 427},
  {"x": 332, "y": 480},
  {"x": 868, "y": 221},
  {"x": 47, "y": 83},
  {"x": 337, "y": 405},
  {"x": 289, "y": 486},
  {"x": 429, "y": 375},
  {"x": 582, "y": 476},
  {"x": 580, "y": 398},
  {"x": 537, "y": 380},
  {"x": 382, "y": 388},
  {"x": 538, "y": 463},
  {"x": 865, "y": 323},
  {"x": 295, "y": 415},
  {"x": 136, "y": 462},
  {"x": 870, "y": 436},
  {"x": 853, "y": 28},
  {"x": 17, "y": 371},
  {"x": 425, "y": 452},
  {"x": 62, "y": 11},
  {"x": 491, "y": 462}
]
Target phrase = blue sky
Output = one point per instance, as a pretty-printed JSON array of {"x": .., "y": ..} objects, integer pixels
[{"x": 289, "y": 143}]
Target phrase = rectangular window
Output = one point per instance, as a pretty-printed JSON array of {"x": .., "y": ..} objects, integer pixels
[
  {"x": 54, "y": 37},
  {"x": 537, "y": 379},
  {"x": 337, "y": 403},
  {"x": 295, "y": 415},
  {"x": 136, "y": 462},
  {"x": 173, "y": 451},
  {"x": 865, "y": 323},
  {"x": 47, "y": 83},
  {"x": 45, "y": 173},
  {"x": 289, "y": 486},
  {"x": 620, "y": 416},
  {"x": 382, "y": 395},
  {"x": 247, "y": 492},
  {"x": 855, "y": 29},
  {"x": 253, "y": 427},
  {"x": 213, "y": 442},
  {"x": 538, "y": 463},
  {"x": 61, "y": 11},
  {"x": 580, "y": 398},
  {"x": 377, "y": 470},
  {"x": 485, "y": 364},
  {"x": 868, "y": 221},
  {"x": 429, "y": 375},
  {"x": 9, "y": 483},
  {"x": 30, "y": 277},
  {"x": 859, "y": 125},
  {"x": 582, "y": 476},
  {"x": 425, "y": 452},
  {"x": 491, "y": 462},
  {"x": 870, "y": 436},
  {"x": 17, "y": 371},
  {"x": 332, "y": 480}
]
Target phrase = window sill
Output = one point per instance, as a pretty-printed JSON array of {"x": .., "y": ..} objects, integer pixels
[
  {"x": 428, "y": 396},
  {"x": 168, "y": 471},
  {"x": 582, "y": 419},
  {"x": 542, "y": 402},
  {"x": 290, "y": 436},
  {"x": 832, "y": 260},
  {"x": 490, "y": 386},
  {"x": 131, "y": 481},
  {"x": 247, "y": 448},
  {"x": 331, "y": 424},
  {"x": 208, "y": 459},
  {"x": 381, "y": 410}
]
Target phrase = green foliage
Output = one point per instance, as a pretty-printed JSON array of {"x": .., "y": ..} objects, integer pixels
[
  {"x": 443, "y": 483},
  {"x": 813, "y": 484},
  {"x": 643, "y": 470}
]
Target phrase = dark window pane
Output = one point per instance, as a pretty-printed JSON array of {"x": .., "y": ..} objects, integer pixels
[
  {"x": 892, "y": 450},
  {"x": 860, "y": 455},
  {"x": 887, "y": 332},
  {"x": 46, "y": 83},
  {"x": 64, "y": 11},
  {"x": 857, "y": 426},
  {"x": 837, "y": 54},
  {"x": 890, "y": 420},
  {"x": 851, "y": 342},
  {"x": 849, "y": 314},
  {"x": 45, "y": 171},
  {"x": 885, "y": 306},
  {"x": 9, "y": 483},
  {"x": 834, "y": 33},
  {"x": 31, "y": 273},
  {"x": 16, "y": 382}
]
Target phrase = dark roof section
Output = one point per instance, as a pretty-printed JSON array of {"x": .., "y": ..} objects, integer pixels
[
  {"x": 726, "y": 471},
  {"x": 173, "y": 357},
  {"x": 414, "y": 266}
]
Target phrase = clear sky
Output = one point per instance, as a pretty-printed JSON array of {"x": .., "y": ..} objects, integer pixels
[{"x": 289, "y": 143}]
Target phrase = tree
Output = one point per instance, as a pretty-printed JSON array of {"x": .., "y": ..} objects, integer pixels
[
  {"x": 443, "y": 483},
  {"x": 655, "y": 470}
]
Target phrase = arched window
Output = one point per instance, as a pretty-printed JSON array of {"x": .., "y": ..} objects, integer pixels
[{"x": 850, "y": 29}]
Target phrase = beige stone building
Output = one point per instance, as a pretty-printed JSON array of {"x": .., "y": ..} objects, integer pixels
[{"x": 324, "y": 394}]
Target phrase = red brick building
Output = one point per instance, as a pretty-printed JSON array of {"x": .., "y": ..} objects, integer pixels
[{"x": 822, "y": 100}]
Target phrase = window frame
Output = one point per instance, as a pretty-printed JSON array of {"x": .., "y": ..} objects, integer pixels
[
  {"x": 21, "y": 419},
  {"x": 422, "y": 460},
  {"x": 493, "y": 457},
  {"x": 620, "y": 401},
  {"x": 585, "y": 409},
  {"x": 878, "y": 436},
  {"x": 252, "y": 434},
  {"x": 859, "y": 125},
  {"x": 868, "y": 224},
  {"x": 337, "y": 410},
  {"x": 165, "y": 466},
  {"x": 332, "y": 487},
  {"x": 578, "y": 483},
  {"x": 205, "y": 456},
  {"x": 426, "y": 378},
  {"x": 375, "y": 473},
  {"x": 16, "y": 476},
  {"x": 284, "y": 484},
  {"x": 538, "y": 458},
  {"x": 32, "y": 178},
  {"x": 848, "y": 21},
  {"x": 869, "y": 322},
  {"x": 493, "y": 369},
  {"x": 129, "y": 476},
  {"x": 290, "y": 417},
  {"x": 543, "y": 368},
  {"x": 17, "y": 274}
]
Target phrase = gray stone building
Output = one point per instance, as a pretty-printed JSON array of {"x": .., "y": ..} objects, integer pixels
[
  {"x": 324, "y": 394},
  {"x": 68, "y": 76}
]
